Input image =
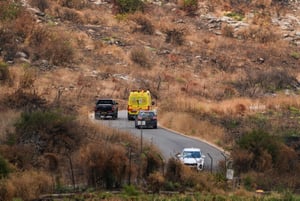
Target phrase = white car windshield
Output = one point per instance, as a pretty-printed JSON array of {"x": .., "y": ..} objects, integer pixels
[{"x": 191, "y": 154}]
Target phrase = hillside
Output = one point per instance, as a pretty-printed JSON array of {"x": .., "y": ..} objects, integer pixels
[{"x": 218, "y": 69}]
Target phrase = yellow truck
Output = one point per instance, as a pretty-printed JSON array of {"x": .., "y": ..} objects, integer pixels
[{"x": 138, "y": 100}]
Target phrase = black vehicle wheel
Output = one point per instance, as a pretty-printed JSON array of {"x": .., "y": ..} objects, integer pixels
[{"x": 155, "y": 126}]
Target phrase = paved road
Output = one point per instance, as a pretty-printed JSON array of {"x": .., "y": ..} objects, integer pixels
[{"x": 168, "y": 142}]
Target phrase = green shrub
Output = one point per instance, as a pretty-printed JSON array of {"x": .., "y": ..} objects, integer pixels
[
  {"x": 129, "y": 6},
  {"x": 24, "y": 100},
  {"x": 4, "y": 168},
  {"x": 295, "y": 55},
  {"x": 248, "y": 183},
  {"x": 262, "y": 150},
  {"x": 236, "y": 16},
  {"x": 8, "y": 43},
  {"x": 9, "y": 10},
  {"x": 130, "y": 190},
  {"x": 52, "y": 131}
]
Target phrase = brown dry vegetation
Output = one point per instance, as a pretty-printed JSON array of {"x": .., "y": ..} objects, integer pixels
[{"x": 213, "y": 84}]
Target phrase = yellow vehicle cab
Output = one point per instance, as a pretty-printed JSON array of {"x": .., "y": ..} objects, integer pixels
[{"x": 138, "y": 100}]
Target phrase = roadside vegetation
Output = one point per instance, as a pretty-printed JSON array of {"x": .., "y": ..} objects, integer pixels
[{"x": 235, "y": 87}]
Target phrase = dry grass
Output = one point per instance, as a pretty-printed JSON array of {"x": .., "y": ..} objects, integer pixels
[
  {"x": 7, "y": 121},
  {"x": 27, "y": 185},
  {"x": 189, "y": 125}
]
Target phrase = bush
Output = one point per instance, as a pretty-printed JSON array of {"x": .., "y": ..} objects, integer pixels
[
  {"x": 236, "y": 16},
  {"x": 40, "y": 4},
  {"x": 130, "y": 190},
  {"x": 4, "y": 168},
  {"x": 28, "y": 185},
  {"x": 50, "y": 131},
  {"x": 38, "y": 36},
  {"x": 4, "y": 74},
  {"x": 9, "y": 10},
  {"x": 77, "y": 4},
  {"x": 8, "y": 43},
  {"x": 261, "y": 151},
  {"x": 24, "y": 100},
  {"x": 145, "y": 25},
  {"x": 270, "y": 81},
  {"x": 23, "y": 26},
  {"x": 190, "y": 6},
  {"x": 128, "y": 6},
  {"x": 21, "y": 156},
  {"x": 156, "y": 181},
  {"x": 140, "y": 57},
  {"x": 106, "y": 167},
  {"x": 227, "y": 31},
  {"x": 174, "y": 170},
  {"x": 175, "y": 36},
  {"x": 70, "y": 15},
  {"x": 51, "y": 45},
  {"x": 260, "y": 33}
]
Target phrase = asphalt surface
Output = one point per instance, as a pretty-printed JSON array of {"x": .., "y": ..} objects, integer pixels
[{"x": 168, "y": 142}]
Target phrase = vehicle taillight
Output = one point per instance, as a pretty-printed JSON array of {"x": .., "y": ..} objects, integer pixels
[{"x": 155, "y": 117}]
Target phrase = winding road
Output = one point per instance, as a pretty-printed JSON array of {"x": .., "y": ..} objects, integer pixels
[{"x": 168, "y": 142}]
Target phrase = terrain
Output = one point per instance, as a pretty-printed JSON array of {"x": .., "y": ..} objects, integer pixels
[{"x": 223, "y": 71}]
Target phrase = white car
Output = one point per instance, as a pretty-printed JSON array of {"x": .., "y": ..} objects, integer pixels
[{"x": 192, "y": 157}]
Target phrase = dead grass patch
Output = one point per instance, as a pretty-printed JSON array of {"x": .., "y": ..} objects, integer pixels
[
  {"x": 28, "y": 185},
  {"x": 282, "y": 101},
  {"x": 190, "y": 125},
  {"x": 7, "y": 120}
]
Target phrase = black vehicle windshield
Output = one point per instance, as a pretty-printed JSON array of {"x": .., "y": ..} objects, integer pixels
[
  {"x": 104, "y": 102},
  {"x": 147, "y": 114}
]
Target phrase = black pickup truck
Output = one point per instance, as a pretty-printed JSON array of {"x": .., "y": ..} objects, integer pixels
[{"x": 106, "y": 108}]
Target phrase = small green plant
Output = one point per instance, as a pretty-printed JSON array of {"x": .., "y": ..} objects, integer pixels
[
  {"x": 294, "y": 110},
  {"x": 248, "y": 183},
  {"x": 9, "y": 10},
  {"x": 4, "y": 168},
  {"x": 130, "y": 190},
  {"x": 295, "y": 55},
  {"x": 234, "y": 15},
  {"x": 121, "y": 17}
]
